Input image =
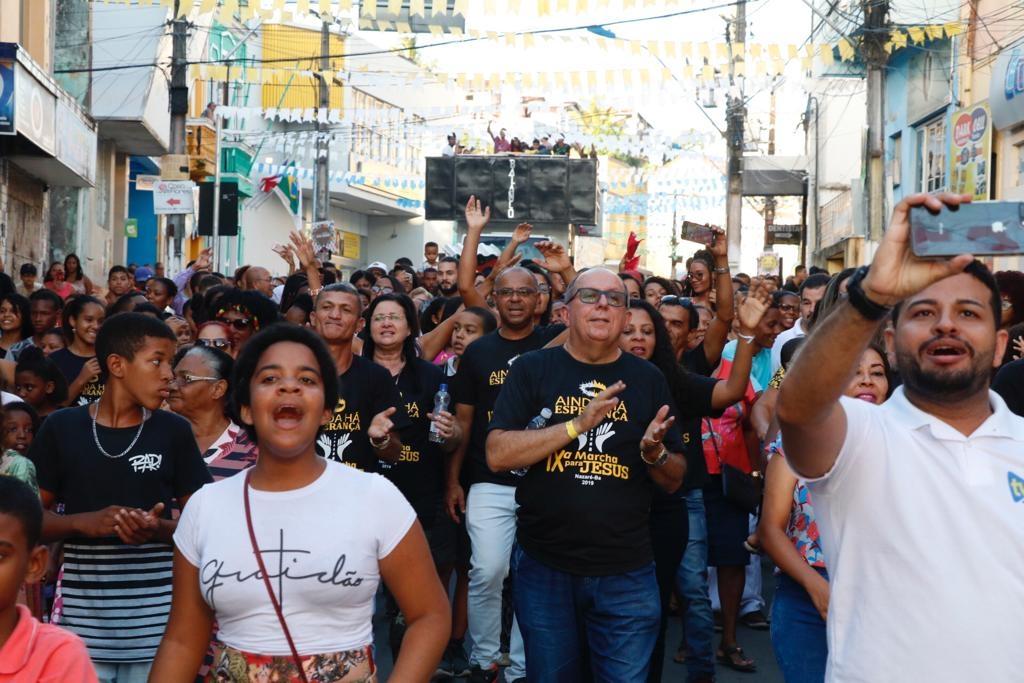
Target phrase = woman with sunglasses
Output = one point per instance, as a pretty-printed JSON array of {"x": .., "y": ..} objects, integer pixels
[
  {"x": 340, "y": 530},
  {"x": 700, "y": 279},
  {"x": 694, "y": 396},
  {"x": 199, "y": 393},
  {"x": 245, "y": 313},
  {"x": 217, "y": 335}
]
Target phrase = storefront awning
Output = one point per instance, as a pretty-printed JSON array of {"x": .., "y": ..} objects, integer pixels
[{"x": 42, "y": 128}]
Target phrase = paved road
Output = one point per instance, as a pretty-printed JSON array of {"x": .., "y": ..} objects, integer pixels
[{"x": 756, "y": 644}]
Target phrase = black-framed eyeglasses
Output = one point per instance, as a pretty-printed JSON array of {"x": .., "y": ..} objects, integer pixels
[
  {"x": 521, "y": 292},
  {"x": 789, "y": 308},
  {"x": 238, "y": 323},
  {"x": 382, "y": 290},
  {"x": 543, "y": 289},
  {"x": 214, "y": 343},
  {"x": 590, "y": 295},
  {"x": 675, "y": 300},
  {"x": 184, "y": 379}
]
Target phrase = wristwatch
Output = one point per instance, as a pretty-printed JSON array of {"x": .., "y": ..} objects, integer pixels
[
  {"x": 859, "y": 300},
  {"x": 382, "y": 444}
]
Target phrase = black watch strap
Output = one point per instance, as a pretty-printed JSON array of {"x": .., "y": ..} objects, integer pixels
[{"x": 860, "y": 301}]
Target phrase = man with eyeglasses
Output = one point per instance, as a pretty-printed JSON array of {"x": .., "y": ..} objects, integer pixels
[
  {"x": 583, "y": 564},
  {"x": 490, "y": 506},
  {"x": 811, "y": 292},
  {"x": 366, "y": 422}
]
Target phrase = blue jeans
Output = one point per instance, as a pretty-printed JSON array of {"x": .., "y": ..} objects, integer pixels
[
  {"x": 798, "y": 633},
  {"x": 616, "y": 617},
  {"x": 692, "y": 580},
  {"x": 122, "y": 673},
  {"x": 491, "y": 523}
]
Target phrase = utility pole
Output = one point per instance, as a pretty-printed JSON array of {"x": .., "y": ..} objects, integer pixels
[
  {"x": 875, "y": 19},
  {"x": 321, "y": 196},
  {"x": 769, "y": 202},
  {"x": 735, "y": 122},
  {"x": 179, "y": 109}
]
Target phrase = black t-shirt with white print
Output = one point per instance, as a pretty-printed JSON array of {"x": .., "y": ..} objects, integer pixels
[
  {"x": 365, "y": 390},
  {"x": 478, "y": 381},
  {"x": 419, "y": 472},
  {"x": 585, "y": 509},
  {"x": 117, "y": 597}
]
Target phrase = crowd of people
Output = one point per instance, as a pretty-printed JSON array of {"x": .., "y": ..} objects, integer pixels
[
  {"x": 502, "y": 144},
  {"x": 224, "y": 478}
]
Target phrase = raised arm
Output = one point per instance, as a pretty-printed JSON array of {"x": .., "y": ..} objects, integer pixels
[
  {"x": 732, "y": 389},
  {"x": 476, "y": 220},
  {"x": 721, "y": 325},
  {"x": 813, "y": 422}
]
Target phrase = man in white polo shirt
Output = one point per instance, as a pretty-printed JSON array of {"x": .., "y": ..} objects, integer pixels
[{"x": 920, "y": 501}]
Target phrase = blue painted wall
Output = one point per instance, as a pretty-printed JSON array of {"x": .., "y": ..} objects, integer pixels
[{"x": 142, "y": 249}]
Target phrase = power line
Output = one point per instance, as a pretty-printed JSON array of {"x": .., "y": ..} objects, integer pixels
[{"x": 384, "y": 51}]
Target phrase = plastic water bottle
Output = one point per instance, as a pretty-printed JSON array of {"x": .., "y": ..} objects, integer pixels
[
  {"x": 539, "y": 422},
  {"x": 441, "y": 401}
]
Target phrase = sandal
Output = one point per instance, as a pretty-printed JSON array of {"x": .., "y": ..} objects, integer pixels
[{"x": 734, "y": 658}]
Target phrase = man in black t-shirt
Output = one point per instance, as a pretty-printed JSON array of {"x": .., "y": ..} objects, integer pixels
[
  {"x": 490, "y": 507},
  {"x": 117, "y": 465},
  {"x": 366, "y": 421},
  {"x": 583, "y": 563}
]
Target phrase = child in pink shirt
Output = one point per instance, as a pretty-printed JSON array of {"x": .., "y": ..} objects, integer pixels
[{"x": 29, "y": 649}]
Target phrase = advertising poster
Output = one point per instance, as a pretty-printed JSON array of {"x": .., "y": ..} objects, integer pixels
[
  {"x": 7, "y": 97},
  {"x": 969, "y": 155}
]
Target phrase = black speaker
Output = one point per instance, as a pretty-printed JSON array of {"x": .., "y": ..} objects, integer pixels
[
  {"x": 228, "y": 210},
  {"x": 538, "y": 188}
]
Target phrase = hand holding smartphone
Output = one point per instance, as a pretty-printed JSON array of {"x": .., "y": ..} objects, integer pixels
[{"x": 695, "y": 232}]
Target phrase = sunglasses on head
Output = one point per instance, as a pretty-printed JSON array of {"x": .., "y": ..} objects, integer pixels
[
  {"x": 214, "y": 343},
  {"x": 673, "y": 300}
]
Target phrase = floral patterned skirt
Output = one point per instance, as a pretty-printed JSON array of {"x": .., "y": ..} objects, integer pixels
[{"x": 234, "y": 666}]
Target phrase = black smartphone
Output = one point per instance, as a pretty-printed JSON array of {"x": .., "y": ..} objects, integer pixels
[
  {"x": 695, "y": 232},
  {"x": 979, "y": 228}
]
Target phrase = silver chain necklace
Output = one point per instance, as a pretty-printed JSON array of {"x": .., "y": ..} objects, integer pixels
[{"x": 96, "y": 437}]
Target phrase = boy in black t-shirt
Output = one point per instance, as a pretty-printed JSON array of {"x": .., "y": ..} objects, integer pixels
[
  {"x": 584, "y": 563},
  {"x": 117, "y": 465}
]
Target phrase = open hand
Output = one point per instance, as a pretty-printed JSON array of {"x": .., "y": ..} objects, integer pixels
[
  {"x": 476, "y": 217},
  {"x": 896, "y": 272},
  {"x": 599, "y": 407},
  {"x": 753, "y": 307},
  {"x": 555, "y": 258}
]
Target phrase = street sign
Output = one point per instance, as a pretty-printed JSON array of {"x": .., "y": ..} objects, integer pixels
[
  {"x": 785, "y": 234},
  {"x": 323, "y": 237},
  {"x": 145, "y": 183},
  {"x": 173, "y": 197}
]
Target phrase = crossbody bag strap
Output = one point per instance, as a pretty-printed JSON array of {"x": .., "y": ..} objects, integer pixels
[
  {"x": 266, "y": 580},
  {"x": 714, "y": 440}
]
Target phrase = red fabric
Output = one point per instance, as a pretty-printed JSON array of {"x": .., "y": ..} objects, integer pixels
[
  {"x": 631, "y": 260},
  {"x": 726, "y": 432},
  {"x": 44, "y": 653}
]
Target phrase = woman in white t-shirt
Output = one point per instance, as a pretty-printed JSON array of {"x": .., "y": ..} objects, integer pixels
[{"x": 327, "y": 534}]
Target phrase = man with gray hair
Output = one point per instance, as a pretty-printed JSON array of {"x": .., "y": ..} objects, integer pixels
[{"x": 583, "y": 565}]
